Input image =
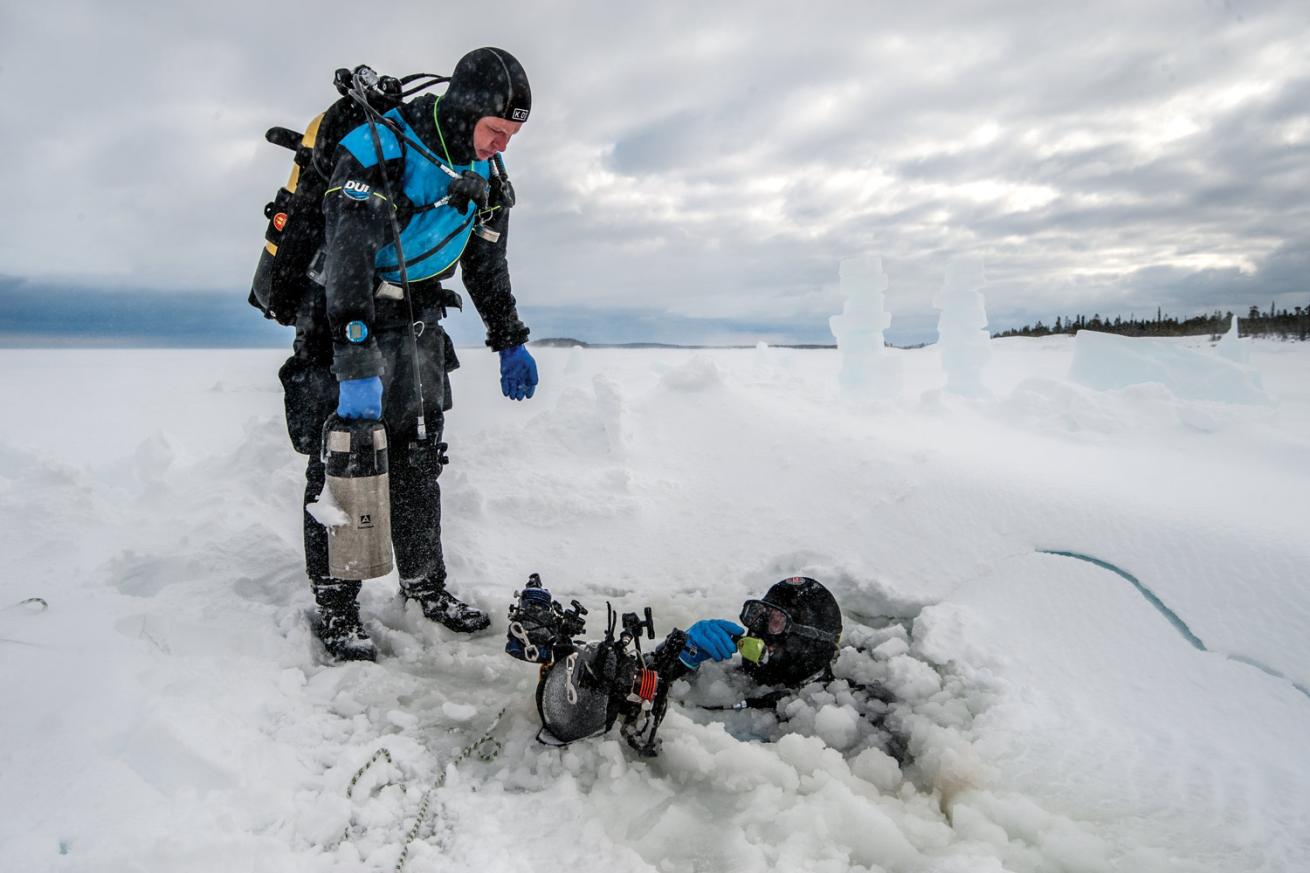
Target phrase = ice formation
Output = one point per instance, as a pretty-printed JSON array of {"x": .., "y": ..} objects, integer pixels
[
  {"x": 962, "y": 327},
  {"x": 1231, "y": 347},
  {"x": 865, "y": 365},
  {"x": 1104, "y": 361}
]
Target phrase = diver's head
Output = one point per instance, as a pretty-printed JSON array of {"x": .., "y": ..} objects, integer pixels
[
  {"x": 800, "y": 623},
  {"x": 485, "y": 104}
]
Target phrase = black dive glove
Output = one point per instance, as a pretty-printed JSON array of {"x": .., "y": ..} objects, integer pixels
[{"x": 469, "y": 188}]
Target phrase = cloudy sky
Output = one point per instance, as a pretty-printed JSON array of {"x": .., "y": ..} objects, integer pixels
[{"x": 695, "y": 172}]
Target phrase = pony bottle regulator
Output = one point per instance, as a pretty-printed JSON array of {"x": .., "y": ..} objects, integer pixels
[{"x": 355, "y": 454}]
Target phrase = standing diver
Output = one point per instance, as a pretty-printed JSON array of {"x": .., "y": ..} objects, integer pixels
[{"x": 430, "y": 173}]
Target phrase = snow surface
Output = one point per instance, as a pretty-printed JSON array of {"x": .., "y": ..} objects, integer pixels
[{"x": 170, "y": 710}]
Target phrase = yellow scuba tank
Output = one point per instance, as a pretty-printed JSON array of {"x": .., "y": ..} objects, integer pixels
[
  {"x": 294, "y": 237},
  {"x": 295, "y": 229}
]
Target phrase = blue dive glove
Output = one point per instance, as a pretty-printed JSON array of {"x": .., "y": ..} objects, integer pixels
[
  {"x": 710, "y": 638},
  {"x": 359, "y": 398},
  {"x": 518, "y": 373}
]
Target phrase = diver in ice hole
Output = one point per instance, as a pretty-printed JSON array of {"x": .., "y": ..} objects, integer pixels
[{"x": 788, "y": 643}]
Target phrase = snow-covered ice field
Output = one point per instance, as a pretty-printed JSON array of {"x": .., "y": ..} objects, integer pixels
[{"x": 171, "y": 711}]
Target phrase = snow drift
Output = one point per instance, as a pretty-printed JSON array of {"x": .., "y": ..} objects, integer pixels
[{"x": 171, "y": 710}]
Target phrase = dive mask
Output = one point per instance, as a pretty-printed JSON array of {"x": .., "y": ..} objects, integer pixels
[{"x": 773, "y": 622}]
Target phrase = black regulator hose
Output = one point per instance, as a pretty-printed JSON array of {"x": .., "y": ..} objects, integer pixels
[{"x": 357, "y": 93}]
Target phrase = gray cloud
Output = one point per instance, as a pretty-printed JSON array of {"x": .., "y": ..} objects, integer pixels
[{"x": 708, "y": 162}]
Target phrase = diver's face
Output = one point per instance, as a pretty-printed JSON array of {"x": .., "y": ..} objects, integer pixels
[
  {"x": 491, "y": 136},
  {"x": 764, "y": 619}
]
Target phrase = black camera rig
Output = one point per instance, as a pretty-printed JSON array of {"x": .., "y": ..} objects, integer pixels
[{"x": 586, "y": 687}]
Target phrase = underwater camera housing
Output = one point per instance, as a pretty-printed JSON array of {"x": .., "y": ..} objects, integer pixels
[{"x": 587, "y": 687}]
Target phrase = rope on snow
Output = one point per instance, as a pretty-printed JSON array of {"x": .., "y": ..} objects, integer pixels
[{"x": 487, "y": 749}]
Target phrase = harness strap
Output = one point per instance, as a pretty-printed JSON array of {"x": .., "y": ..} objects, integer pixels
[{"x": 406, "y": 139}]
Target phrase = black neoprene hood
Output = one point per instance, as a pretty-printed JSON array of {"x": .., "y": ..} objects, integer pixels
[
  {"x": 796, "y": 658},
  {"x": 486, "y": 82}
]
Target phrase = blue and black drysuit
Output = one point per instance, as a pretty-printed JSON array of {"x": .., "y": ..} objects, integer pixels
[{"x": 350, "y": 332}]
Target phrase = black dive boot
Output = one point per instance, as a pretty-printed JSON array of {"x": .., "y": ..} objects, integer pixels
[
  {"x": 338, "y": 625},
  {"x": 441, "y": 606}
]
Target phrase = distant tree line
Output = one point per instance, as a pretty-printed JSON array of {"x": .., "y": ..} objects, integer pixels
[{"x": 1284, "y": 323}]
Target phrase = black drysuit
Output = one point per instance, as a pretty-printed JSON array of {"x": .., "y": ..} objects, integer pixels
[{"x": 355, "y": 231}]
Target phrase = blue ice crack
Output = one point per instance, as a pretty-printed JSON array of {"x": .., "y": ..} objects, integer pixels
[
  {"x": 1171, "y": 616},
  {"x": 1178, "y": 623}
]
